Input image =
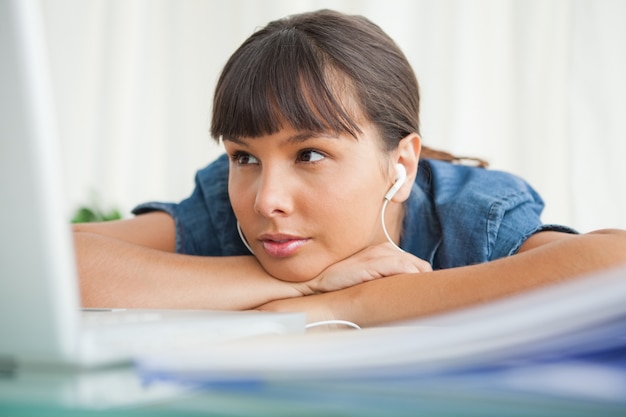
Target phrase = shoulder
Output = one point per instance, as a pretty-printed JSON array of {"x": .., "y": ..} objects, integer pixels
[
  {"x": 214, "y": 177},
  {"x": 210, "y": 199},
  {"x": 460, "y": 184},
  {"x": 211, "y": 189},
  {"x": 205, "y": 222},
  {"x": 475, "y": 214}
]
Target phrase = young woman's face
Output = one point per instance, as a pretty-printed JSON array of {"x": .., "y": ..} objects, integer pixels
[{"x": 306, "y": 201}]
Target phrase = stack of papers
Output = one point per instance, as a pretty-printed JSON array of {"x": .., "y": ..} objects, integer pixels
[{"x": 552, "y": 340}]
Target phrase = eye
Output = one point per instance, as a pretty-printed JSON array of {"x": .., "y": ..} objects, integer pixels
[
  {"x": 310, "y": 155},
  {"x": 243, "y": 158}
]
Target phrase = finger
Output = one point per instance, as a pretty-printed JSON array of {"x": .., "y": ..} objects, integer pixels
[{"x": 404, "y": 265}]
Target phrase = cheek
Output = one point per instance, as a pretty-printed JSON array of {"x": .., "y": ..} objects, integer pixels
[
  {"x": 241, "y": 198},
  {"x": 350, "y": 215}
]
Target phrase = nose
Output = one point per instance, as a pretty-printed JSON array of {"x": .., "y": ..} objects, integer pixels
[{"x": 273, "y": 196}]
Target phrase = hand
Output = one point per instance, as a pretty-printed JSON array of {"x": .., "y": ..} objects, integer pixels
[
  {"x": 317, "y": 307},
  {"x": 371, "y": 263}
]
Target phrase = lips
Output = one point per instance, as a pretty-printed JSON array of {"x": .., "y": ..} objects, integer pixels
[{"x": 281, "y": 246}]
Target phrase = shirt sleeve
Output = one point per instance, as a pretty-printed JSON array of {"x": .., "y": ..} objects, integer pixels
[{"x": 513, "y": 219}]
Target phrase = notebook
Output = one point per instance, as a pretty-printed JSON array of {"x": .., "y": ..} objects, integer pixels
[
  {"x": 575, "y": 322},
  {"x": 40, "y": 316}
]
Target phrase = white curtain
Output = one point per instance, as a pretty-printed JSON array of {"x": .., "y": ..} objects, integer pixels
[{"x": 536, "y": 87}]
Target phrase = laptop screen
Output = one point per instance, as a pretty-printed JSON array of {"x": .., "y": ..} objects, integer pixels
[{"x": 38, "y": 289}]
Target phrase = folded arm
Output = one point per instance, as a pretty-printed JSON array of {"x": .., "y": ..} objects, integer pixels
[
  {"x": 545, "y": 258},
  {"x": 131, "y": 263}
]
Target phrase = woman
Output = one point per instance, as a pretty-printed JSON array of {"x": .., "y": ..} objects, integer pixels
[{"x": 325, "y": 179}]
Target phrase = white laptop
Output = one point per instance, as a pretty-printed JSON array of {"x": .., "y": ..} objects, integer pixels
[{"x": 40, "y": 316}]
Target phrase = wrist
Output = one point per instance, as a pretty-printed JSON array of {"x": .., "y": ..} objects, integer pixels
[{"x": 303, "y": 288}]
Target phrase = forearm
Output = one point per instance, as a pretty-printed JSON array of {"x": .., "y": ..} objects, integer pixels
[
  {"x": 417, "y": 295},
  {"x": 114, "y": 273}
]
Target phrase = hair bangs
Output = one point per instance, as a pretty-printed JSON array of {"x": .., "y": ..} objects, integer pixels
[{"x": 282, "y": 80}]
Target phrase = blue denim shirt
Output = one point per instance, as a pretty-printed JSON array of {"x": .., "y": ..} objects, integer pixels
[{"x": 456, "y": 215}]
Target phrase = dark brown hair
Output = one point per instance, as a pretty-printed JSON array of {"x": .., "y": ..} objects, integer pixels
[{"x": 306, "y": 70}]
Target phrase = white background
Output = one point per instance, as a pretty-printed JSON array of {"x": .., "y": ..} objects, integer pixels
[{"x": 536, "y": 87}]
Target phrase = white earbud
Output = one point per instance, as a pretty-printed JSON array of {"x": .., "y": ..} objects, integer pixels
[
  {"x": 400, "y": 178},
  {"x": 243, "y": 238}
]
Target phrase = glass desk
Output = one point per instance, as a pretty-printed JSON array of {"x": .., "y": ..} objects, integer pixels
[{"x": 121, "y": 392}]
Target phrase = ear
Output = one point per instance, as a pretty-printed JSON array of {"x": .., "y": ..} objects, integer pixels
[{"x": 407, "y": 154}]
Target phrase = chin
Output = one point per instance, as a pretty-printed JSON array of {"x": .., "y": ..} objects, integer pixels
[{"x": 291, "y": 273}]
